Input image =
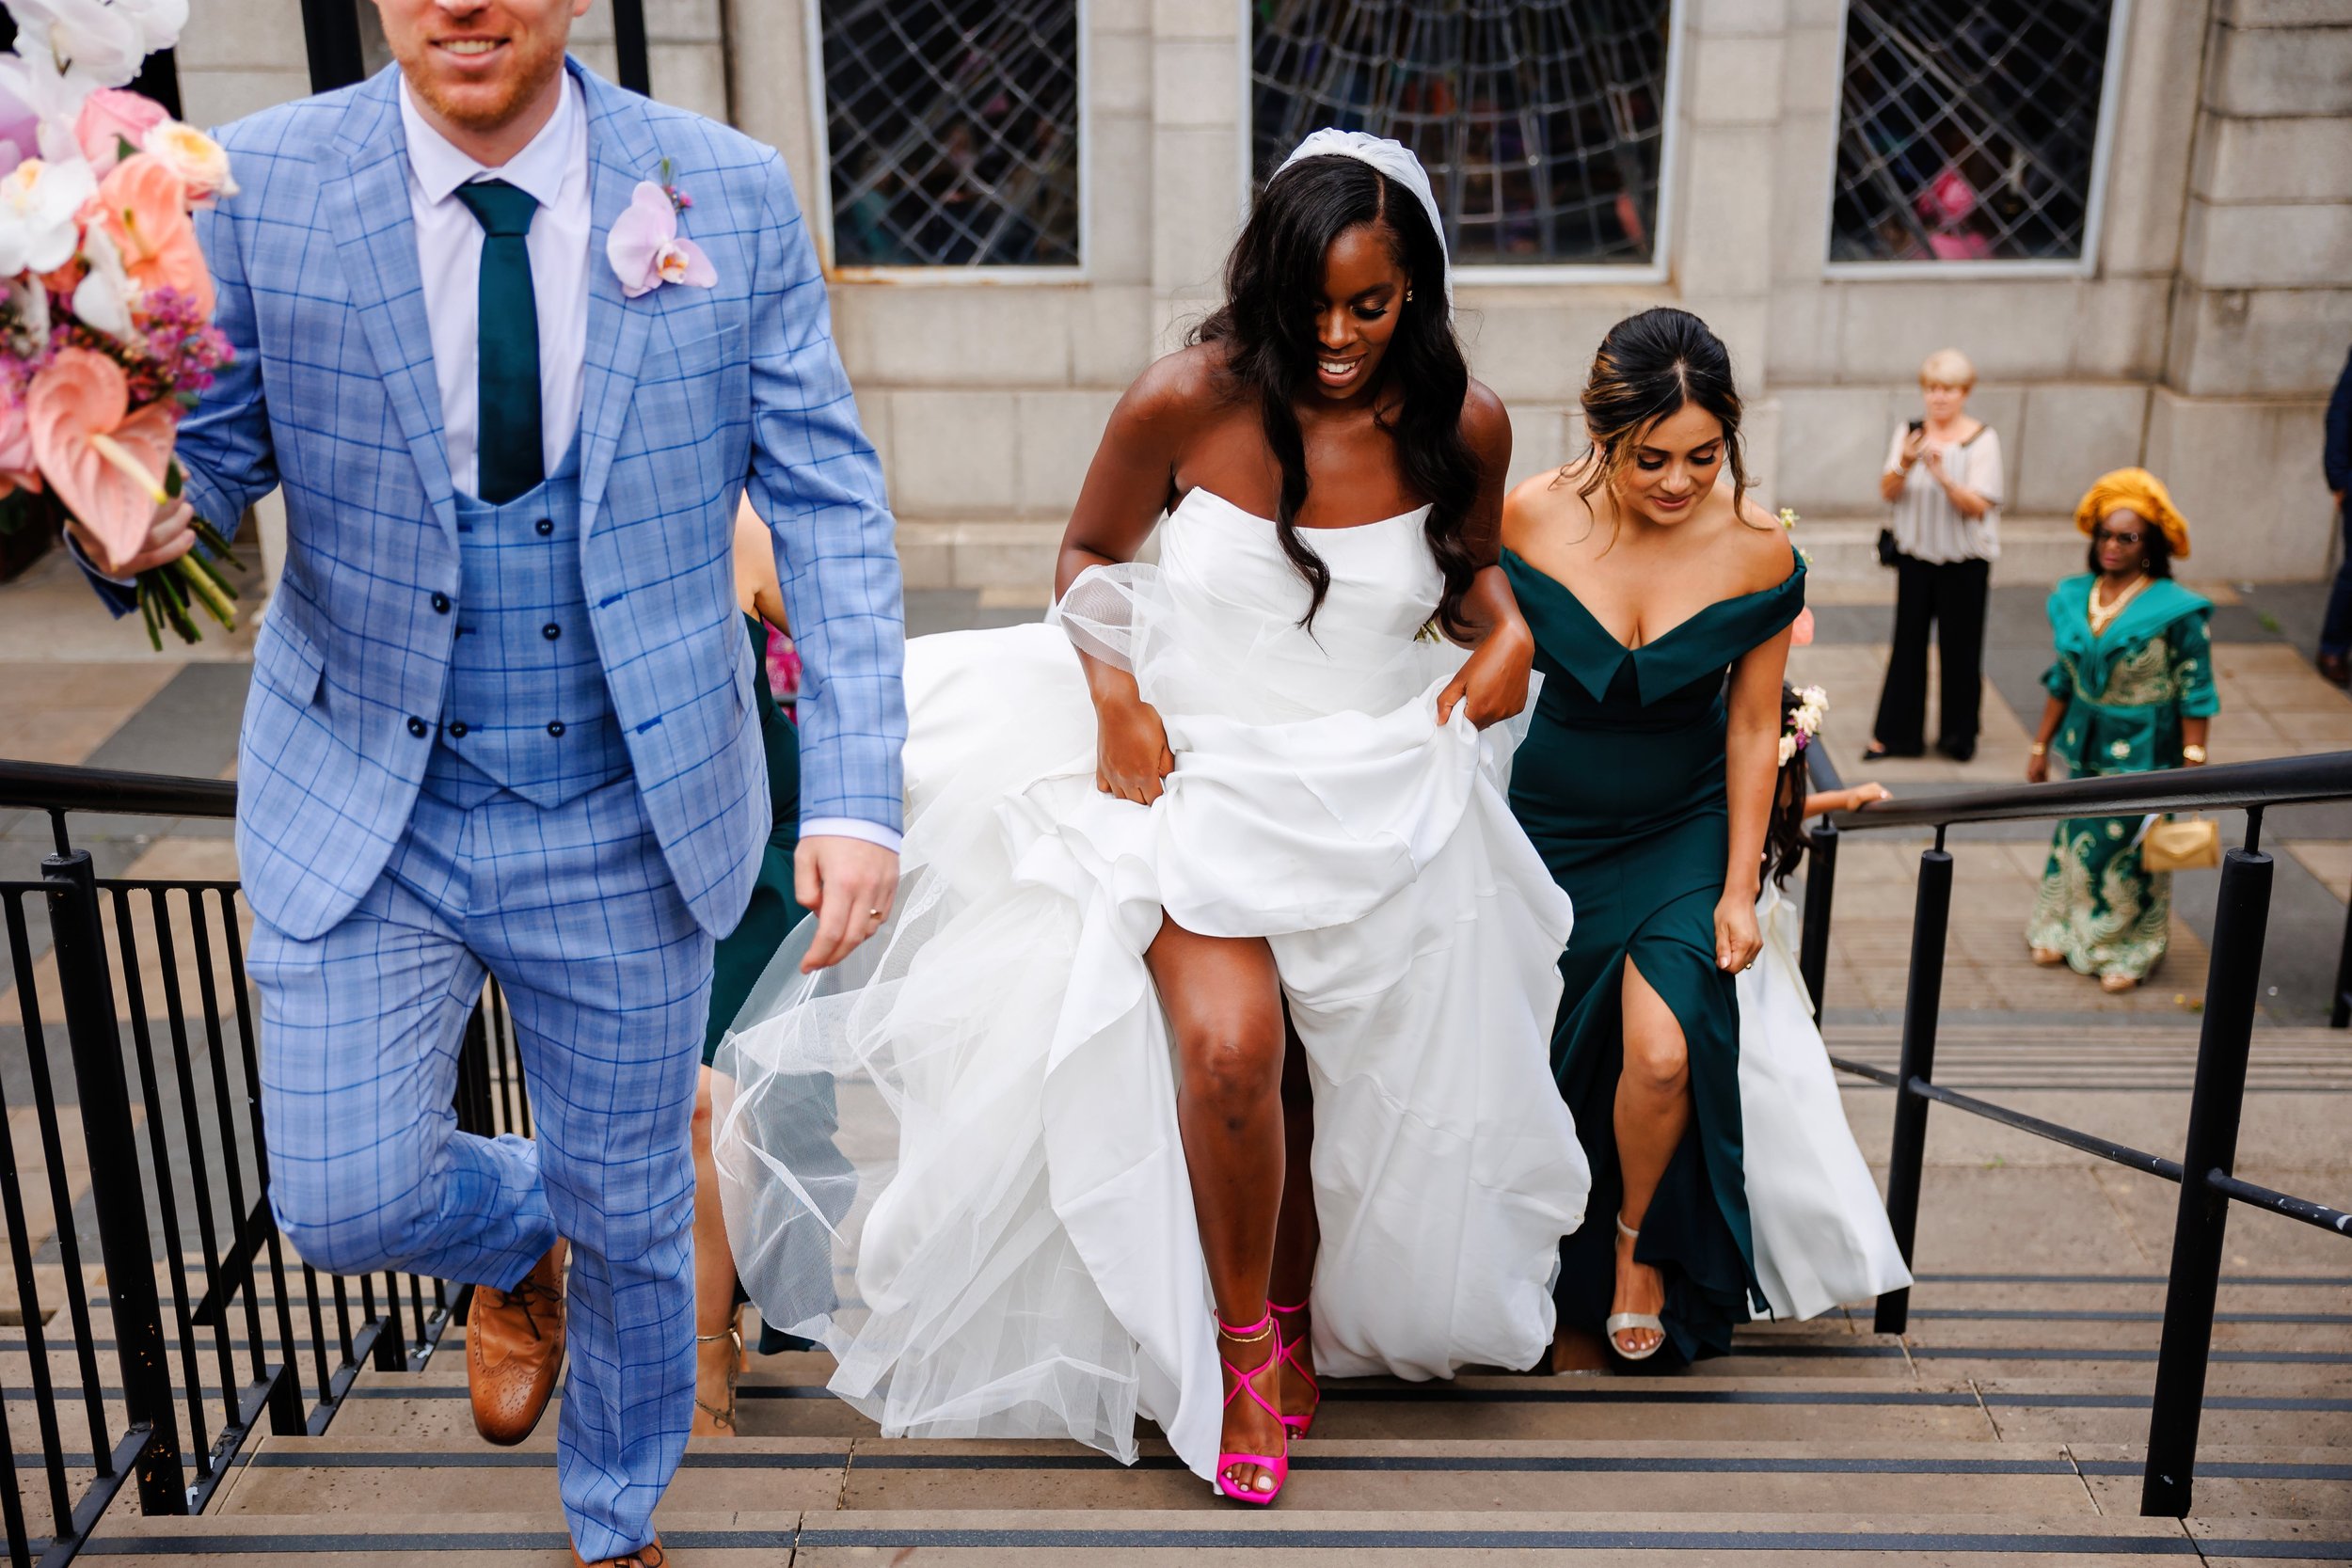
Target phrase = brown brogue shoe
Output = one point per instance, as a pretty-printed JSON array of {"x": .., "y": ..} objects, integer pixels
[
  {"x": 644, "y": 1556},
  {"x": 514, "y": 1348}
]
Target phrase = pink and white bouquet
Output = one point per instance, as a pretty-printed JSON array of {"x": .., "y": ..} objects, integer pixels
[{"x": 106, "y": 331}]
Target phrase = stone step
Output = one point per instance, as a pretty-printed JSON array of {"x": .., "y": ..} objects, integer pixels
[
  {"x": 1269, "y": 1538},
  {"x": 354, "y": 1478}
]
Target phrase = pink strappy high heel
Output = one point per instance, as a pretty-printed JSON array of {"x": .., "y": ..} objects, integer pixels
[
  {"x": 1277, "y": 1466},
  {"x": 1288, "y": 1346}
]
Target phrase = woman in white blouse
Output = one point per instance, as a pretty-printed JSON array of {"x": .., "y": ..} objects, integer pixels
[{"x": 1943, "y": 477}]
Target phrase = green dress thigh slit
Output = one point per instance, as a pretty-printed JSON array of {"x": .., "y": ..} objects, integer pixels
[
  {"x": 1620, "y": 786},
  {"x": 742, "y": 957}
]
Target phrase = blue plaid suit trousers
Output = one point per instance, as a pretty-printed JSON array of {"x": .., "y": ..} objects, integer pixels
[{"x": 607, "y": 977}]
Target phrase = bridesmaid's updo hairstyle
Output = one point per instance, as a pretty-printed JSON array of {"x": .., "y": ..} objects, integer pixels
[
  {"x": 1647, "y": 367},
  {"x": 1267, "y": 328}
]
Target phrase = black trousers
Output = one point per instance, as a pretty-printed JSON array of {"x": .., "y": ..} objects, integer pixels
[{"x": 1951, "y": 595}]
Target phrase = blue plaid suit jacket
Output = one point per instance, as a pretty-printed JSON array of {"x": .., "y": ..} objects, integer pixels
[{"x": 690, "y": 394}]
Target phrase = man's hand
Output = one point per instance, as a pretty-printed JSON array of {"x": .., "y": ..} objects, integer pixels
[
  {"x": 169, "y": 535},
  {"x": 848, "y": 885}
]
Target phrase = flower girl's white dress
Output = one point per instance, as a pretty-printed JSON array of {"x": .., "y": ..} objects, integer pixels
[{"x": 1821, "y": 1236}]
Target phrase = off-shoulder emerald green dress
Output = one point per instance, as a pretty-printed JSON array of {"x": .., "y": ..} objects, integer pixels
[{"x": 1620, "y": 784}]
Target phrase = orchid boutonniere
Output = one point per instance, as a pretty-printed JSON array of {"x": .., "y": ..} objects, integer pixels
[{"x": 645, "y": 249}]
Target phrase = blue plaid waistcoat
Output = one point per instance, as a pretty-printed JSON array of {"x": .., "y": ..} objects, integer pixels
[{"x": 526, "y": 703}]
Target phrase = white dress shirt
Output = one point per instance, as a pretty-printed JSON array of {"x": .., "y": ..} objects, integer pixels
[
  {"x": 1928, "y": 526},
  {"x": 553, "y": 167}
]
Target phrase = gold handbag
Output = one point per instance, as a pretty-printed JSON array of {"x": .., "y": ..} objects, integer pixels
[{"x": 2191, "y": 845}]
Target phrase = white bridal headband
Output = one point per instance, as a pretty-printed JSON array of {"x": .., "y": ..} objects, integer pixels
[{"x": 1392, "y": 158}]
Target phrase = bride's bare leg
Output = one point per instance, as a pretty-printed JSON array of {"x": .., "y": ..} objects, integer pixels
[
  {"x": 1224, "y": 1002},
  {"x": 1297, "y": 1234},
  {"x": 718, "y": 1356},
  {"x": 1653, "y": 1107}
]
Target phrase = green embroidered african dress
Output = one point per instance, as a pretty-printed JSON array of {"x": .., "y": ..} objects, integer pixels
[
  {"x": 1620, "y": 786},
  {"x": 742, "y": 957},
  {"x": 2126, "y": 692}
]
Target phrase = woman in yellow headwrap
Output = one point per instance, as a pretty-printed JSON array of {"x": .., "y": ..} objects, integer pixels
[{"x": 2131, "y": 691}]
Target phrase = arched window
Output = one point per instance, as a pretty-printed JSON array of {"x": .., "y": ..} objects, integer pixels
[
  {"x": 951, "y": 131},
  {"x": 1542, "y": 122},
  {"x": 1969, "y": 130}
]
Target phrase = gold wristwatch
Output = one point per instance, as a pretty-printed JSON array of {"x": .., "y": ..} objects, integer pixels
[{"x": 2193, "y": 754}]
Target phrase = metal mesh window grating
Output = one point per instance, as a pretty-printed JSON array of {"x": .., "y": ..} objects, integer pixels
[
  {"x": 1966, "y": 128},
  {"x": 1541, "y": 122},
  {"x": 953, "y": 127}
]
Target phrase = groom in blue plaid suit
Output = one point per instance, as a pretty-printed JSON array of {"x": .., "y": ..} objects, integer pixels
[{"x": 501, "y": 715}]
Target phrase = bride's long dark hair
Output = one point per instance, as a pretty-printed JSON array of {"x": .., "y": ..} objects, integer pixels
[{"x": 1266, "y": 327}]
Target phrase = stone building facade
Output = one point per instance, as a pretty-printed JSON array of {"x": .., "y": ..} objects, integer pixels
[{"x": 2196, "y": 328}]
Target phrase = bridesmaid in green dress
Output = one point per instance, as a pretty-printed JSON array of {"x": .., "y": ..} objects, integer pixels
[
  {"x": 1660, "y": 599},
  {"x": 737, "y": 964}
]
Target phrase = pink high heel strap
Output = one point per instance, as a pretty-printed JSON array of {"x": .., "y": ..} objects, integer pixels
[{"x": 1276, "y": 1465}]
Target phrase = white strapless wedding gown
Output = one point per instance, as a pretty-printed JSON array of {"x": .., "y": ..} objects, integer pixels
[{"x": 1004, "y": 1204}]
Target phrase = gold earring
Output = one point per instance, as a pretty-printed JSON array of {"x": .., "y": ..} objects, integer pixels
[{"x": 1409, "y": 297}]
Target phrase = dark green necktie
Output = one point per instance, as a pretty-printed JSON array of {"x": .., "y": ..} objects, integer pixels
[{"x": 507, "y": 343}]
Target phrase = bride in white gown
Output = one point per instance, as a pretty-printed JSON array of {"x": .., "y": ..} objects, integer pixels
[{"x": 1238, "y": 861}]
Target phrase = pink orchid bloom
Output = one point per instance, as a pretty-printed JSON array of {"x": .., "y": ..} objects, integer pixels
[
  {"x": 104, "y": 463},
  {"x": 647, "y": 250},
  {"x": 110, "y": 117}
]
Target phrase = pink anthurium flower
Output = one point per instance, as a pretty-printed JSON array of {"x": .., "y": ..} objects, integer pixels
[
  {"x": 647, "y": 250},
  {"x": 144, "y": 206},
  {"x": 104, "y": 463}
]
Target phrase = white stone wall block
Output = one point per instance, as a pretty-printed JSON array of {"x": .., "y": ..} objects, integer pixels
[
  {"x": 1537, "y": 346},
  {"x": 690, "y": 76},
  {"x": 1817, "y": 13},
  {"x": 1541, "y": 439},
  {"x": 2258, "y": 244},
  {"x": 957, "y": 334},
  {"x": 1195, "y": 18},
  {"x": 955, "y": 454},
  {"x": 1725, "y": 241},
  {"x": 2284, "y": 13},
  {"x": 2013, "y": 328},
  {"x": 1196, "y": 205},
  {"x": 1801, "y": 338},
  {"x": 1832, "y": 448},
  {"x": 2260, "y": 343},
  {"x": 1118, "y": 200},
  {"x": 1111, "y": 338},
  {"x": 1059, "y": 433},
  {"x": 1801, "y": 195},
  {"x": 1734, "y": 80},
  {"x": 1759, "y": 442},
  {"x": 1742, "y": 18},
  {"x": 214, "y": 97},
  {"x": 2302, "y": 159},
  {"x": 768, "y": 46},
  {"x": 1120, "y": 67},
  {"x": 2280, "y": 71},
  {"x": 2217, "y": 454},
  {"x": 2148, "y": 154},
  {"x": 685, "y": 20},
  {"x": 243, "y": 35},
  {"x": 1196, "y": 82},
  {"x": 2071, "y": 433},
  {"x": 2120, "y": 327},
  {"x": 1810, "y": 60}
]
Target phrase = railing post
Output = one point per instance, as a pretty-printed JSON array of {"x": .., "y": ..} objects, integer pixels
[
  {"x": 2340, "y": 1011},
  {"x": 1821, "y": 885},
  {"x": 1922, "y": 1002},
  {"x": 2241, "y": 921},
  {"x": 117, "y": 1193}
]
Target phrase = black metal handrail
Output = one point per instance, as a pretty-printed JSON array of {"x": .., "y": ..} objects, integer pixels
[
  {"x": 2204, "y": 1173},
  {"x": 210, "y": 1338}
]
